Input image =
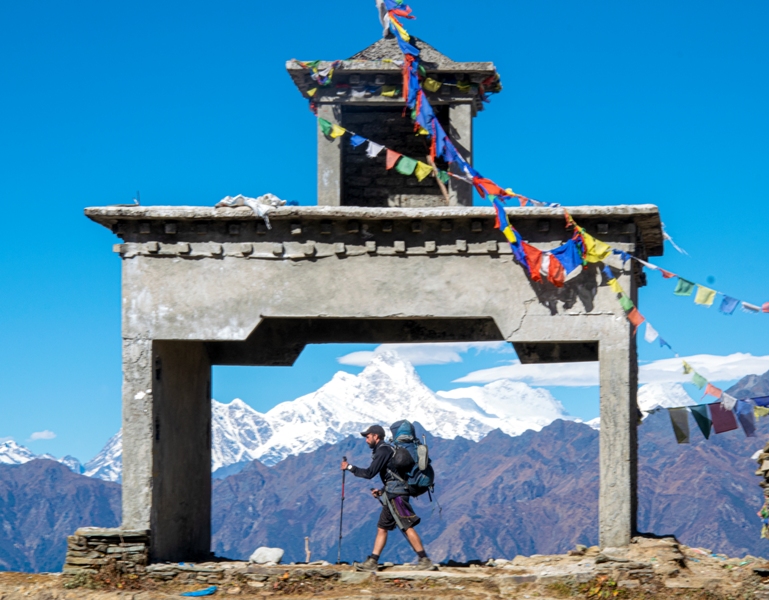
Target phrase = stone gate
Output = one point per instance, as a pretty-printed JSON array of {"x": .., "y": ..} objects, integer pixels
[{"x": 205, "y": 286}]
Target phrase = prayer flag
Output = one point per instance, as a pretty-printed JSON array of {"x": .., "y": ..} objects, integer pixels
[
  {"x": 392, "y": 158},
  {"x": 635, "y": 318},
  {"x": 760, "y": 411},
  {"x": 728, "y": 305},
  {"x": 626, "y": 303},
  {"x": 595, "y": 250},
  {"x": 651, "y": 334},
  {"x": 751, "y": 308},
  {"x": 431, "y": 85},
  {"x": 487, "y": 186},
  {"x": 337, "y": 131},
  {"x": 761, "y": 400},
  {"x": 373, "y": 149},
  {"x": 728, "y": 402},
  {"x": 406, "y": 165},
  {"x": 325, "y": 126},
  {"x": 501, "y": 221},
  {"x": 711, "y": 390},
  {"x": 534, "y": 258},
  {"x": 510, "y": 234},
  {"x": 356, "y": 140},
  {"x": 684, "y": 288},
  {"x": 667, "y": 274},
  {"x": 700, "y": 414},
  {"x": 615, "y": 286},
  {"x": 444, "y": 177},
  {"x": 422, "y": 170},
  {"x": 687, "y": 368},
  {"x": 608, "y": 273},
  {"x": 568, "y": 255},
  {"x": 623, "y": 255},
  {"x": 312, "y": 91},
  {"x": 663, "y": 343},
  {"x": 723, "y": 420},
  {"x": 765, "y": 307},
  {"x": 390, "y": 91},
  {"x": 555, "y": 271},
  {"x": 744, "y": 412},
  {"x": 705, "y": 296},
  {"x": 679, "y": 419},
  {"x": 699, "y": 380}
]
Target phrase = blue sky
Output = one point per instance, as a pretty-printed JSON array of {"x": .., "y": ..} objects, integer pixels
[{"x": 603, "y": 103}]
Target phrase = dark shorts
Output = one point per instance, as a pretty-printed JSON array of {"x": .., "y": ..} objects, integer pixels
[{"x": 406, "y": 514}]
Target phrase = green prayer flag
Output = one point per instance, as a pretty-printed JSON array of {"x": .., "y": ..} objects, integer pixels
[
  {"x": 699, "y": 380},
  {"x": 406, "y": 165},
  {"x": 684, "y": 288},
  {"x": 700, "y": 414},
  {"x": 679, "y": 419},
  {"x": 444, "y": 177},
  {"x": 626, "y": 303},
  {"x": 325, "y": 126}
]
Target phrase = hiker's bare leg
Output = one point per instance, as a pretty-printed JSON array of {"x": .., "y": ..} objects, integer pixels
[
  {"x": 380, "y": 541},
  {"x": 414, "y": 540}
]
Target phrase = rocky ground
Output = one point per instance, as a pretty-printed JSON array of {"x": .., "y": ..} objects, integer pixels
[{"x": 648, "y": 568}]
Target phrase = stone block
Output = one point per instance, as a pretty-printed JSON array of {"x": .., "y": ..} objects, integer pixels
[
  {"x": 399, "y": 246},
  {"x": 339, "y": 248},
  {"x": 121, "y": 549},
  {"x": 355, "y": 577},
  {"x": 461, "y": 245},
  {"x": 264, "y": 555},
  {"x": 151, "y": 247},
  {"x": 371, "y": 247},
  {"x": 431, "y": 246},
  {"x": 170, "y": 228}
]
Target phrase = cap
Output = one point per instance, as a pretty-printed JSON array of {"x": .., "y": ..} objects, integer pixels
[{"x": 377, "y": 429}]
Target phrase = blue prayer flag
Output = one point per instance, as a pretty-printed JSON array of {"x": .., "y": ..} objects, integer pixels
[
  {"x": 356, "y": 140},
  {"x": 744, "y": 412},
  {"x": 663, "y": 343},
  {"x": 569, "y": 256},
  {"x": 728, "y": 305},
  {"x": 761, "y": 400}
]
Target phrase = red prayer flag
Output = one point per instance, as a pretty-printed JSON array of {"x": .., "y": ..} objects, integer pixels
[
  {"x": 635, "y": 318},
  {"x": 534, "y": 258},
  {"x": 712, "y": 390},
  {"x": 765, "y": 307},
  {"x": 392, "y": 158},
  {"x": 555, "y": 272},
  {"x": 487, "y": 186},
  {"x": 667, "y": 274}
]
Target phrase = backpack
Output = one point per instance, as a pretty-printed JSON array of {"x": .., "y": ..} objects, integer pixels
[{"x": 410, "y": 463}]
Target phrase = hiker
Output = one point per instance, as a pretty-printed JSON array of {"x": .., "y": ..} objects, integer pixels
[{"x": 391, "y": 498}]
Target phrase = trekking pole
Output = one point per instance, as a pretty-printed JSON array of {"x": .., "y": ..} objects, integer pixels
[{"x": 341, "y": 515}]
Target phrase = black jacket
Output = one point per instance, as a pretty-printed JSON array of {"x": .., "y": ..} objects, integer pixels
[{"x": 380, "y": 457}]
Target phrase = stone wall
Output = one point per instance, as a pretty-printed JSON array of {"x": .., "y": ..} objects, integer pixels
[
  {"x": 92, "y": 549},
  {"x": 366, "y": 181}
]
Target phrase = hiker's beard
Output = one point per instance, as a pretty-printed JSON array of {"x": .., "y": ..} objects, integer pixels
[{"x": 372, "y": 444}]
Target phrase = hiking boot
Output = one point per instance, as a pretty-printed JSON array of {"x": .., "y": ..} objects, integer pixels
[
  {"x": 425, "y": 564},
  {"x": 369, "y": 565}
]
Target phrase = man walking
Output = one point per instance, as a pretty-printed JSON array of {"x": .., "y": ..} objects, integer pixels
[{"x": 396, "y": 510}]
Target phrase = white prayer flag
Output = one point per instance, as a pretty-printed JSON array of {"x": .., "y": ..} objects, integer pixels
[
  {"x": 651, "y": 334},
  {"x": 727, "y": 401},
  {"x": 373, "y": 149}
]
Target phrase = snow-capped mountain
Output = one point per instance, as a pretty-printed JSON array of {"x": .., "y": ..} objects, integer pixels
[
  {"x": 662, "y": 395},
  {"x": 108, "y": 464},
  {"x": 388, "y": 389},
  {"x": 12, "y": 453}
]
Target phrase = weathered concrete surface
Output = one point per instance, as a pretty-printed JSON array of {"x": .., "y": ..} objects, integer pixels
[
  {"x": 203, "y": 285},
  {"x": 647, "y": 568}
]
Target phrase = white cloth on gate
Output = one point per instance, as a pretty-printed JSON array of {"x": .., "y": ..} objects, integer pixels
[{"x": 261, "y": 205}]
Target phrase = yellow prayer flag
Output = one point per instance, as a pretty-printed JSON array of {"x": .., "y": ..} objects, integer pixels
[
  {"x": 337, "y": 131},
  {"x": 687, "y": 368},
  {"x": 760, "y": 411},
  {"x": 389, "y": 90},
  {"x": 705, "y": 296},
  {"x": 422, "y": 170},
  {"x": 311, "y": 92},
  {"x": 615, "y": 286},
  {"x": 431, "y": 85},
  {"x": 596, "y": 250},
  {"x": 510, "y": 191},
  {"x": 508, "y": 231},
  {"x": 422, "y": 131},
  {"x": 401, "y": 31}
]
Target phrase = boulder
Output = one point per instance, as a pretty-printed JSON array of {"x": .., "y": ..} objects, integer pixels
[{"x": 264, "y": 555}]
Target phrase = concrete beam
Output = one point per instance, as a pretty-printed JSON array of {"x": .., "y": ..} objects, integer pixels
[
  {"x": 329, "y": 160},
  {"x": 461, "y": 132},
  {"x": 618, "y": 502}
]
